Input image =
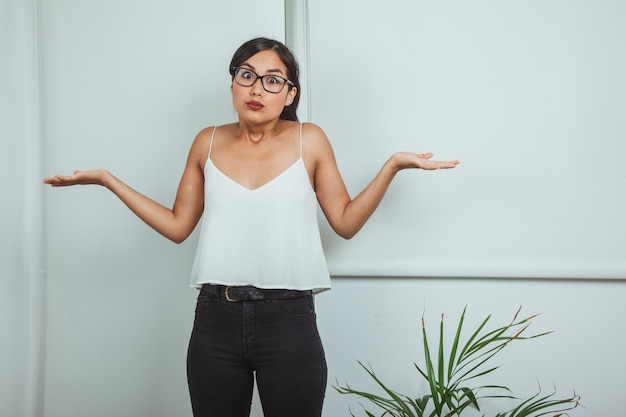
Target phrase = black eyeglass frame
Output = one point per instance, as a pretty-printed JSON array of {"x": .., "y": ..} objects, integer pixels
[{"x": 262, "y": 78}]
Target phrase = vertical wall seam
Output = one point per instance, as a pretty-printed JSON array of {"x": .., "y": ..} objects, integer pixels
[
  {"x": 297, "y": 39},
  {"x": 32, "y": 218}
]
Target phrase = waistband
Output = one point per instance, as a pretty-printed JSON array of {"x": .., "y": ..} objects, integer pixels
[{"x": 251, "y": 293}]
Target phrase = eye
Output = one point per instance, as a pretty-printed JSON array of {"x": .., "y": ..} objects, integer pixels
[
  {"x": 274, "y": 80},
  {"x": 245, "y": 74}
]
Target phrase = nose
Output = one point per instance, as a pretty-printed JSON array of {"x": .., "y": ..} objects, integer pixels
[{"x": 257, "y": 87}]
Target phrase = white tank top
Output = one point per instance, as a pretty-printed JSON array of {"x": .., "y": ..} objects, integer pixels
[{"x": 267, "y": 237}]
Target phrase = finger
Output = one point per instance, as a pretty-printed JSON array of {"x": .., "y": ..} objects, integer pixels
[
  {"x": 448, "y": 164},
  {"x": 51, "y": 180}
]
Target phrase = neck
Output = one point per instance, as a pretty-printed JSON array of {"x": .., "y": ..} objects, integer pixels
[{"x": 255, "y": 133}]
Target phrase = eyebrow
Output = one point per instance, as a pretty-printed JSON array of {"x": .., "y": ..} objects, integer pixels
[{"x": 271, "y": 70}]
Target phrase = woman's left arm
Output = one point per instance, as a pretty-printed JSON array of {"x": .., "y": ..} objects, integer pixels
[{"x": 345, "y": 215}]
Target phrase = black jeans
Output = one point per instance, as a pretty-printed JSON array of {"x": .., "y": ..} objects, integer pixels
[{"x": 275, "y": 339}]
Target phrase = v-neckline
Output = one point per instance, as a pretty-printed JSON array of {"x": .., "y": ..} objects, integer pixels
[{"x": 283, "y": 172}]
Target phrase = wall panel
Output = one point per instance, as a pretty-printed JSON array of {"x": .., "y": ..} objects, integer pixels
[
  {"x": 529, "y": 96},
  {"x": 128, "y": 84}
]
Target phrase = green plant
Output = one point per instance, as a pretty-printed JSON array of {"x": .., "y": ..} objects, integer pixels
[{"x": 449, "y": 377}]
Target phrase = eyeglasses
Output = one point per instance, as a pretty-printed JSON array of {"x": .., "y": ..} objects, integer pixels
[{"x": 271, "y": 83}]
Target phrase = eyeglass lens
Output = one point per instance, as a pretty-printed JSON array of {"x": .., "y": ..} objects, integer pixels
[{"x": 271, "y": 83}]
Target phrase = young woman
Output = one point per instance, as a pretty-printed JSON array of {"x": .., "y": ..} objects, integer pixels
[{"x": 259, "y": 260}]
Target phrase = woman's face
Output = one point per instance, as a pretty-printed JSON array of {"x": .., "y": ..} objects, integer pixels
[{"x": 254, "y": 103}]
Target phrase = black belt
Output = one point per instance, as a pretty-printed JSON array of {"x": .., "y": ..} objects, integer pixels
[{"x": 250, "y": 293}]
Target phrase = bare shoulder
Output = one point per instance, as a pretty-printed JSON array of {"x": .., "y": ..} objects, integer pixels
[
  {"x": 203, "y": 138},
  {"x": 200, "y": 148},
  {"x": 314, "y": 141}
]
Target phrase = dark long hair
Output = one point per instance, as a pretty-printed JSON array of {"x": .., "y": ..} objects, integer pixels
[{"x": 254, "y": 46}]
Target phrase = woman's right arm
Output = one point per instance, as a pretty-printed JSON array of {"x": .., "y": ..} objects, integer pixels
[{"x": 176, "y": 223}]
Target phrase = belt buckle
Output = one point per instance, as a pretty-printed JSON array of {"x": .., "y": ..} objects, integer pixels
[{"x": 232, "y": 300}]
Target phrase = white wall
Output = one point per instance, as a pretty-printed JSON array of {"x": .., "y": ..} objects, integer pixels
[
  {"x": 128, "y": 84},
  {"x": 133, "y": 81},
  {"x": 14, "y": 286},
  {"x": 531, "y": 97},
  {"x": 22, "y": 240}
]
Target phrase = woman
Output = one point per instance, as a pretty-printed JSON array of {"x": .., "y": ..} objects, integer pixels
[{"x": 259, "y": 258}]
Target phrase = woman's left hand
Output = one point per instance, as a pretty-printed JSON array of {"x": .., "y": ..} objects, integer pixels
[{"x": 404, "y": 160}]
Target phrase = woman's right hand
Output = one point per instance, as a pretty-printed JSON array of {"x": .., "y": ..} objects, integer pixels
[
  {"x": 175, "y": 223},
  {"x": 93, "y": 176}
]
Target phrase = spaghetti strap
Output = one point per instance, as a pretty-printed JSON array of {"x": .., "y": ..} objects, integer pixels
[
  {"x": 300, "y": 139},
  {"x": 211, "y": 142}
]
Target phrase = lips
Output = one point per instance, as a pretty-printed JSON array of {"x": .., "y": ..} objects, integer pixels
[{"x": 254, "y": 105}]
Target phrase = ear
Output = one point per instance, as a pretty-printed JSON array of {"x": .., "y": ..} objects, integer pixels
[{"x": 291, "y": 95}]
